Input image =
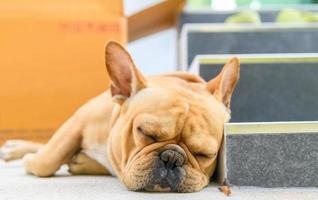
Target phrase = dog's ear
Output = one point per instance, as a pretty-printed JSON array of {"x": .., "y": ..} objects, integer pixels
[
  {"x": 126, "y": 80},
  {"x": 223, "y": 85}
]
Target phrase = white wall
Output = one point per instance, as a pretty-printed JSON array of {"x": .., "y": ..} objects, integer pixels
[{"x": 156, "y": 53}]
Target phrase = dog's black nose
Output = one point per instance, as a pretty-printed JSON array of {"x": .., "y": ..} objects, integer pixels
[
  {"x": 172, "y": 158},
  {"x": 169, "y": 168}
]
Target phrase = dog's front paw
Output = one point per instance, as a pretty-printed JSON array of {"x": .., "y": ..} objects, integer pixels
[
  {"x": 13, "y": 150},
  {"x": 81, "y": 164},
  {"x": 39, "y": 166},
  {"x": 28, "y": 163}
]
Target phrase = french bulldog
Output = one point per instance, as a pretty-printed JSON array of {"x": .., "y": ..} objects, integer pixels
[{"x": 156, "y": 133}]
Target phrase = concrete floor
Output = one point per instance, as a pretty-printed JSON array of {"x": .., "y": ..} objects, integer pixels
[{"x": 15, "y": 184}]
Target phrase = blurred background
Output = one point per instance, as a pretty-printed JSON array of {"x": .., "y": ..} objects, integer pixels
[
  {"x": 158, "y": 51},
  {"x": 52, "y": 54},
  {"x": 165, "y": 42}
]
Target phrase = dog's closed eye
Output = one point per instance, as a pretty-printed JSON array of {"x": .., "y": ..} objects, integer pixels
[
  {"x": 149, "y": 136},
  {"x": 205, "y": 155}
]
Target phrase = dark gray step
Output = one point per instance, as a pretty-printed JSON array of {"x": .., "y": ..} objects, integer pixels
[
  {"x": 272, "y": 87},
  {"x": 279, "y": 154},
  {"x": 268, "y": 14},
  {"x": 198, "y": 39},
  {"x": 219, "y": 17}
]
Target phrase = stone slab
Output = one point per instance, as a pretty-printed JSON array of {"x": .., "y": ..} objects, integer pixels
[
  {"x": 213, "y": 16},
  {"x": 270, "y": 154},
  {"x": 272, "y": 87},
  {"x": 203, "y": 39}
]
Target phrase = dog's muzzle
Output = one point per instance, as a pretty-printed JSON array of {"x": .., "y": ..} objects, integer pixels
[{"x": 168, "y": 170}]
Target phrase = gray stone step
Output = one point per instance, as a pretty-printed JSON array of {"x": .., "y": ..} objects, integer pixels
[
  {"x": 272, "y": 87},
  {"x": 267, "y": 14},
  {"x": 219, "y": 16},
  {"x": 278, "y": 154},
  {"x": 198, "y": 39}
]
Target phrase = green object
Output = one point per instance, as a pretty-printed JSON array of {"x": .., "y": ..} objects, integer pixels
[
  {"x": 247, "y": 16},
  {"x": 290, "y": 15},
  {"x": 199, "y": 3},
  {"x": 310, "y": 16},
  {"x": 273, "y": 2}
]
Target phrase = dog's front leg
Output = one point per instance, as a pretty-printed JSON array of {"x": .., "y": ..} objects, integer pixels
[
  {"x": 16, "y": 149},
  {"x": 81, "y": 164},
  {"x": 59, "y": 150}
]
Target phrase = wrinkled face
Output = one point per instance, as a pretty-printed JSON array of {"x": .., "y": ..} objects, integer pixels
[
  {"x": 168, "y": 129},
  {"x": 170, "y": 140}
]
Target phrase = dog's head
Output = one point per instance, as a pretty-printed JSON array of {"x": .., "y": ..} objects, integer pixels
[{"x": 167, "y": 129}]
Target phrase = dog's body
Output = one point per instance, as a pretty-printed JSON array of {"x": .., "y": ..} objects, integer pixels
[{"x": 162, "y": 133}]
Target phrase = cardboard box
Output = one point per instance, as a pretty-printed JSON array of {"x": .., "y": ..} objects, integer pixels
[{"x": 52, "y": 57}]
